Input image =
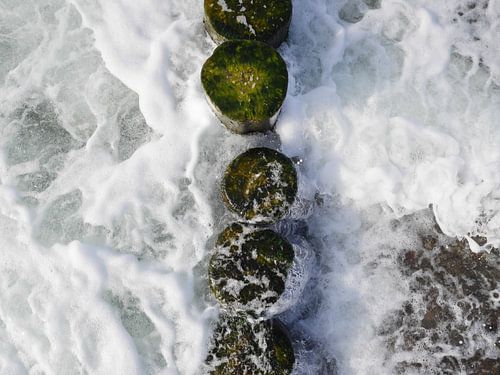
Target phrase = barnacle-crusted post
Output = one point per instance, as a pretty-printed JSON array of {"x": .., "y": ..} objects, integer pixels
[
  {"x": 263, "y": 20},
  {"x": 240, "y": 346},
  {"x": 245, "y": 83},
  {"x": 260, "y": 185},
  {"x": 249, "y": 268}
]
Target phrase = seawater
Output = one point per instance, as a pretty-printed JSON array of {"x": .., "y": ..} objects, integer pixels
[{"x": 110, "y": 163}]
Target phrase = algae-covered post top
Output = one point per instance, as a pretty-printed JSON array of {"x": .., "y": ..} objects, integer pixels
[
  {"x": 240, "y": 346},
  {"x": 260, "y": 185},
  {"x": 245, "y": 83},
  {"x": 263, "y": 20},
  {"x": 249, "y": 268}
]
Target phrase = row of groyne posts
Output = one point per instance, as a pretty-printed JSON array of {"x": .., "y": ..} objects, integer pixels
[{"x": 245, "y": 81}]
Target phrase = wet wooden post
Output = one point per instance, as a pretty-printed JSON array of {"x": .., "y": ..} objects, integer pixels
[{"x": 245, "y": 82}]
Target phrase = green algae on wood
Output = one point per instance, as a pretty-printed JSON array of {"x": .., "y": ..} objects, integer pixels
[
  {"x": 245, "y": 83},
  {"x": 260, "y": 185},
  {"x": 263, "y": 20},
  {"x": 242, "y": 347},
  {"x": 249, "y": 268}
]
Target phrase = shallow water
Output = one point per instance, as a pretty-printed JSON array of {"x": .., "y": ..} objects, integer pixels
[{"x": 111, "y": 160}]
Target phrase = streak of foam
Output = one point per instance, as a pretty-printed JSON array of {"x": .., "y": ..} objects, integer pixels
[
  {"x": 111, "y": 161},
  {"x": 399, "y": 108}
]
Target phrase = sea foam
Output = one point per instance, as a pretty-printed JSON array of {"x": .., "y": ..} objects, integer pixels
[{"x": 111, "y": 161}]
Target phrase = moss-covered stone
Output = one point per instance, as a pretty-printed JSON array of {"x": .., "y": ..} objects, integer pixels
[
  {"x": 245, "y": 83},
  {"x": 242, "y": 347},
  {"x": 263, "y": 20},
  {"x": 260, "y": 185},
  {"x": 249, "y": 268}
]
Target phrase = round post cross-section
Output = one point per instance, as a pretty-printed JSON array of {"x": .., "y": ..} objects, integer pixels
[
  {"x": 263, "y": 20},
  {"x": 245, "y": 83},
  {"x": 260, "y": 185},
  {"x": 240, "y": 346},
  {"x": 249, "y": 268}
]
